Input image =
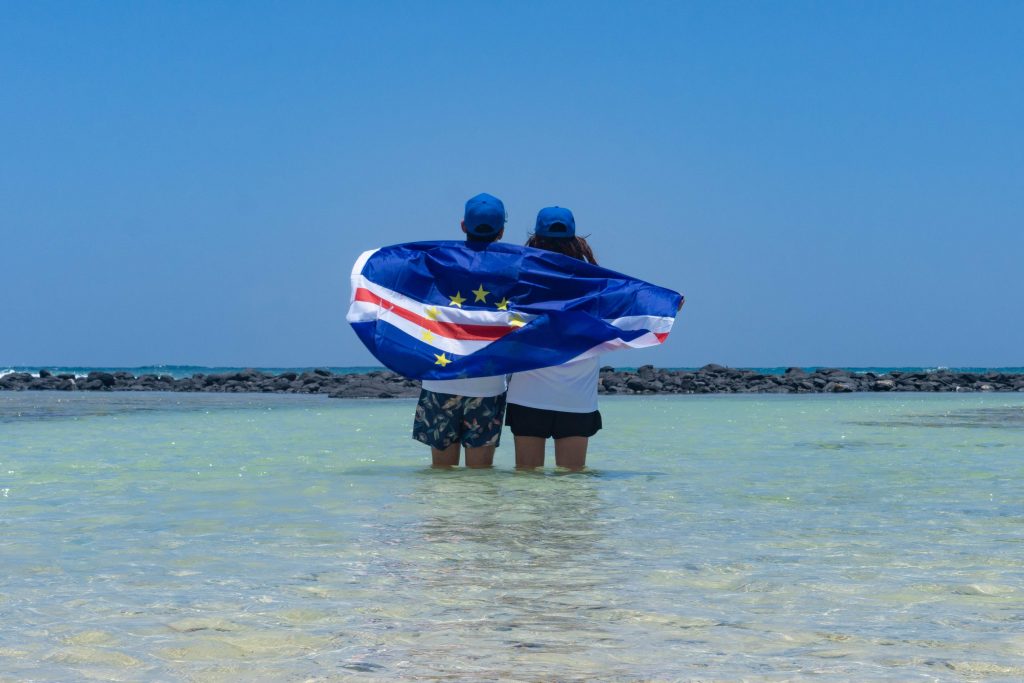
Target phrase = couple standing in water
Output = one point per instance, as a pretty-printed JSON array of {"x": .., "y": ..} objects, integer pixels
[{"x": 557, "y": 403}]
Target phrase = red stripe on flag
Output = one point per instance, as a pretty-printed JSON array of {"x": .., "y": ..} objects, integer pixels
[
  {"x": 662, "y": 336},
  {"x": 450, "y": 330}
]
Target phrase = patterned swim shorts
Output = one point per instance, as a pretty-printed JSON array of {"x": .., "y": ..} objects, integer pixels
[{"x": 444, "y": 419}]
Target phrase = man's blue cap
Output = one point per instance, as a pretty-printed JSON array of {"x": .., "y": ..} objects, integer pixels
[
  {"x": 485, "y": 215},
  {"x": 554, "y": 221}
]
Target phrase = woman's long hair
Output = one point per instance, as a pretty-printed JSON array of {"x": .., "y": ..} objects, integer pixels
[{"x": 574, "y": 246}]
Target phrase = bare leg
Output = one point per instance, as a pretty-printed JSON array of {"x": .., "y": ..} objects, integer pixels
[
  {"x": 571, "y": 452},
  {"x": 449, "y": 457},
  {"x": 479, "y": 456},
  {"x": 529, "y": 452}
]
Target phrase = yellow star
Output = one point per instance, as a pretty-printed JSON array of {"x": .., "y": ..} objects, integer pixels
[
  {"x": 442, "y": 360},
  {"x": 516, "y": 321},
  {"x": 457, "y": 299},
  {"x": 427, "y": 336},
  {"x": 432, "y": 312},
  {"x": 481, "y": 294},
  {"x": 502, "y": 305}
]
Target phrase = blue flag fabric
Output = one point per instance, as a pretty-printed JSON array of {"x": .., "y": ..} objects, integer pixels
[{"x": 450, "y": 310}]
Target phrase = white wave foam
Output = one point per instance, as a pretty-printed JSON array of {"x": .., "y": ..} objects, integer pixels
[{"x": 10, "y": 371}]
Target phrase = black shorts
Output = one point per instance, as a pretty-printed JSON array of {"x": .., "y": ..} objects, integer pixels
[{"x": 545, "y": 424}]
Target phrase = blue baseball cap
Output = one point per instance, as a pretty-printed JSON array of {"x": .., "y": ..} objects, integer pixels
[
  {"x": 554, "y": 221},
  {"x": 485, "y": 215}
]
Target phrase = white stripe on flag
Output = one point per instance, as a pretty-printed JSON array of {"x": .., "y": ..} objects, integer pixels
[
  {"x": 357, "y": 270},
  {"x": 445, "y": 314},
  {"x": 654, "y": 323},
  {"x": 641, "y": 342},
  {"x": 364, "y": 311}
]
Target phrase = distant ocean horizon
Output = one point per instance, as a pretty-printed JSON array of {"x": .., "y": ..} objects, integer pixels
[{"x": 180, "y": 371}]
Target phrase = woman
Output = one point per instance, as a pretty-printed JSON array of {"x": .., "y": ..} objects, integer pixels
[{"x": 558, "y": 402}]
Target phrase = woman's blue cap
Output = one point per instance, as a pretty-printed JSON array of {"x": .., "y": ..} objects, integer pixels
[
  {"x": 485, "y": 215},
  {"x": 554, "y": 221}
]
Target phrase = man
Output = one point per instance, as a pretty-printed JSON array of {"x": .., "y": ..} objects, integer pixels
[{"x": 466, "y": 412}]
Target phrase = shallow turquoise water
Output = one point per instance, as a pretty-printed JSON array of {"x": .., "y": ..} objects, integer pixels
[{"x": 241, "y": 537}]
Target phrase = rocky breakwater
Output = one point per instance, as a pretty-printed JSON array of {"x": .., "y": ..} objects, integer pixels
[
  {"x": 377, "y": 384},
  {"x": 717, "y": 379},
  {"x": 710, "y": 379}
]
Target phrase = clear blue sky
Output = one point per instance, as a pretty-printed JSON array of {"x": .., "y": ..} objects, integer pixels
[{"x": 827, "y": 182}]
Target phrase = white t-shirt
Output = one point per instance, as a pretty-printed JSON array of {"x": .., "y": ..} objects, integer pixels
[
  {"x": 570, "y": 388},
  {"x": 474, "y": 386}
]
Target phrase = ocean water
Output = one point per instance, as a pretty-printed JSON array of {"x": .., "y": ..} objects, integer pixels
[{"x": 715, "y": 538}]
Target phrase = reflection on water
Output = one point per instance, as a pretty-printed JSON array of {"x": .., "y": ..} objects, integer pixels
[{"x": 505, "y": 560}]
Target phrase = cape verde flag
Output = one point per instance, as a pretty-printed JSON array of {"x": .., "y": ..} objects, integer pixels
[{"x": 449, "y": 310}]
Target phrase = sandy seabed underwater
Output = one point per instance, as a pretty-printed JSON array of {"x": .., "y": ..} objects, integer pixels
[{"x": 715, "y": 538}]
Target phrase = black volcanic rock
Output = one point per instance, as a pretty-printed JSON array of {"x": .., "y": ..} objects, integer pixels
[
  {"x": 713, "y": 367},
  {"x": 104, "y": 378},
  {"x": 645, "y": 380}
]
